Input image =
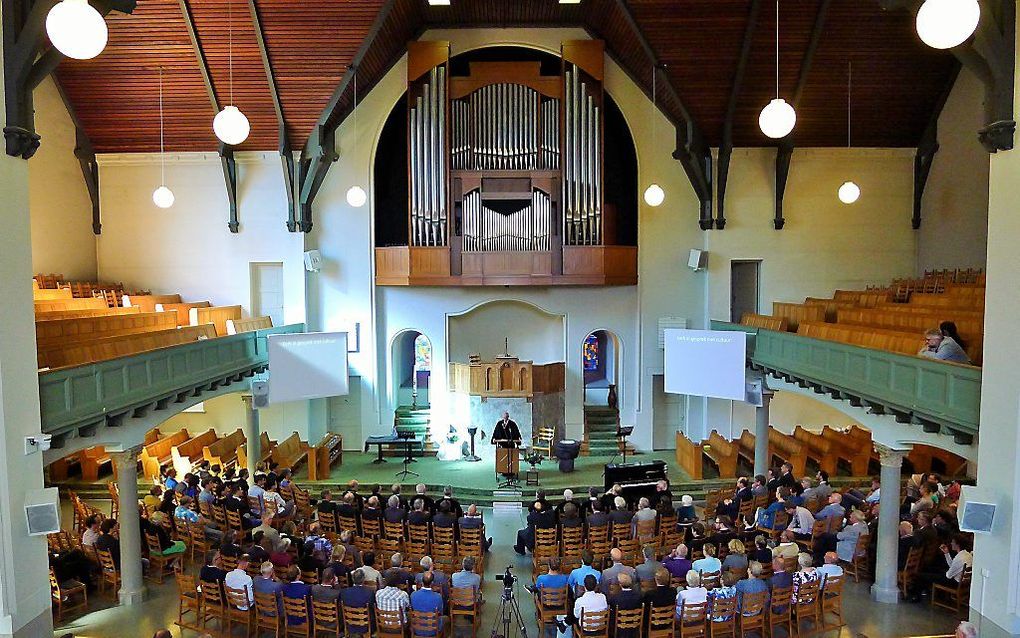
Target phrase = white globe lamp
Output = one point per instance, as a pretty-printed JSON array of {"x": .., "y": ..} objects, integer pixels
[
  {"x": 231, "y": 126},
  {"x": 76, "y": 29},
  {"x": 777, "y": 119},
  {"x": 356, "y": 196},
  {"x": 849, "y": 192},
  {"x": 163, "y": 197},
  {"x": 654, "y": 195},
  {"x": 944, "y": 24}
]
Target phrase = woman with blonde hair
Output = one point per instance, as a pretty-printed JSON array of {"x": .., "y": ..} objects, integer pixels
[{"x": 737, "y": 558}]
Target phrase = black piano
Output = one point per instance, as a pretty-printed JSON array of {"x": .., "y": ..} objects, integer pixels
[{"x": 637, "y": 479}]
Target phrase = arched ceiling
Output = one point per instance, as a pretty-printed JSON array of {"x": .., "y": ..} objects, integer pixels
[{"x": 310, "y": 43}]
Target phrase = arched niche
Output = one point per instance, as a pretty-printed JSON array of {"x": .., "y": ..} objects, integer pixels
[
  {"x": 600, "y": 364},
  {"x": 410, "y": 368}
]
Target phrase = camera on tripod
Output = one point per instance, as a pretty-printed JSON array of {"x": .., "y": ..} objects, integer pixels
[{"x": 508, "y": 578}]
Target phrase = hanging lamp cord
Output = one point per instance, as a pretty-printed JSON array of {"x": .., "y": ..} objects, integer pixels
[
  {"x": 162, "y": 156},
  {"x": 777, "y": 49}
]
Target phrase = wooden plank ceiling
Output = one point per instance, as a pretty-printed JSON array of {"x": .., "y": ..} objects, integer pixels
[{"x": 897, "y": 80}]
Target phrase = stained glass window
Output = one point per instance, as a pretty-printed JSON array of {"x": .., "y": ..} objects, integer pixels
[
  {"x": 422, "y": 353},
  {"x": 591, "y": 353}
]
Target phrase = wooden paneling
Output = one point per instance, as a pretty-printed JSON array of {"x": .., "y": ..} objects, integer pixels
[
  {"x": 216, "y": 315},
  {"x": 237, "y": 326},
  {"x": 98, "y": 312},
  {"x": 67, "y": 331},
  {"x": 51, "y": 294},
  {"x": 61, "y": 305},
  {"x": 183, "y": 310},
  {"x": 148, "y": 302},
  {"x": 549, "y": 378},
  {"x": 107, "y": 348}
]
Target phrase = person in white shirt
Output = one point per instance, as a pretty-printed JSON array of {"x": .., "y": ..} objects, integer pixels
[
  {"x": 693, "y": 595},
  {"x": 239, "y": 579},
  {"x": 957, "y": 557},
  {"x": 590, "y": 600},
  {"x": 801, "y": 520},
  {"x": 830, "y": 567},
  {"x": 92, "y": 532}
]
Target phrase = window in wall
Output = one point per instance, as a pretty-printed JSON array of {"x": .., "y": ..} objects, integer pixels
[
  {"x": 422, "y": 353},
  {"x": 591, "y": 353}
]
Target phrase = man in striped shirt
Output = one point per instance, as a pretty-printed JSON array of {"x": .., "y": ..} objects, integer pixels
[{"x": 391, "y": 598}]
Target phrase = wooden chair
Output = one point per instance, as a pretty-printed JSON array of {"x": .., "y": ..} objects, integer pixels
[
  {"x": 357, "y": 618},
  {"x": 620, "y": 531},
  {"x": 235, "y": 615},
  {"x": 817, "y": 529},
  {"x": 645, "y": 531},
  {"x": 464, "y": 604},
  {"x": 542, "y": 441},
  {"x": 371, "y": 528},
  {"x": 628, "y": 620},
  {"x": 546, "y": 546},
  {"x": 592, "y": 624},
  {"x": 197, "y": 541},
  {"x": 444, "y": 536},
  {"x": 752, "y": 613},
  {"x": 779, "y": 610},
  {"x": 108, "y": 574},
  {"x": 954, "y": 598},
  {"x": 213, "y": 607},
  {"x": 832, "y": 601},
  {"x": 267, "y": 614},
  {"x": 157, "y": 561},
  {"x": 389, "y": 623},
  {"x": 597, "y": 534},
  {"x": 692, "y": 620},
  {"x": 326, "y": 618},
  {"x": 808, "y": 606},
  {"x": 296, "y": 608},
  {"x": 631, "y": 550},
  {"x": 860, "y": 565},
  {"x": 549, "y": 603},
  {"x": 722, "y": 620},
  {"x": 347, "y": 523},
  {"x": 234, "y": 521},
  {"x": 310, "y": 577},
  {"x": 428, "y": 624},
  {"x": 910, "y": 567},
  {"x": 395, "y": 531},
  {"x": 63, "y": 595},
  {"x": 711, "y": 580},
  {"x": 229, "y": 562},
  {"x": 660, "y": 621},
  {"x": 187, "y": 601}
]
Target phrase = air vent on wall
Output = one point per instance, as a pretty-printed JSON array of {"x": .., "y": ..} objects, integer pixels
[{"x": 669, "y": 322}]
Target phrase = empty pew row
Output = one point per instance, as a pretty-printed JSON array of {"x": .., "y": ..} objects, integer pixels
[
  {"x": 148, "y": 302},
  {"x": 795, "y": 313},
  {"x": 223, "y": 452},
  {"x": 868, "y": 337},
  {"x": 265, "y": 451},
  {"x": 290, "y": 452},
  {"x": 183, "y": 310},
  {"x": 831, "y": 306},
  {"x": 121, "y": 346},
  {"x": 852, "y": 445},
  {"x": 78, "y": 314},
  {"x": 156, "y": 455},
  {"x": 764, "y": 321},
  {"x": 906, "y": 320},
  {"x": 53, "y": 332},
  {"x": 321, "y": 457},
  {"x": 972, "y": 301},
  {"x": 781, "y": 446},
  {"x": 48, "y": 294},
  {"x": 237, "y": 326},
  {"x": 216, "y": 315},
  {"x": 54, "y": 305},
  {"x": 185, "y": 455}
]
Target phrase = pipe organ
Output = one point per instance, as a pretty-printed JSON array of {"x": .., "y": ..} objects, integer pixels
[{"x": 505, "y": 174}]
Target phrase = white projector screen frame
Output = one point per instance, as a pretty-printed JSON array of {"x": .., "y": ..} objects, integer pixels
[
  {"x": 307, "y": 365},
  {"x": 705, "y": 363}
]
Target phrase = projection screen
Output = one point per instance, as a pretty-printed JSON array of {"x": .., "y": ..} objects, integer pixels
[
  {"x": 705, "y": 363},
  {"x": 309, "y": 365}
]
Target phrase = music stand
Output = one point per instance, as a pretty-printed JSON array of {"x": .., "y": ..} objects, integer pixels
[
  {"x": 408, "y": 437},
  {"x": 622, "y": 432},
  {"x": 474, "y": 457}
]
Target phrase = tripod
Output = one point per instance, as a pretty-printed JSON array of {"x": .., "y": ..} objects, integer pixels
[{"x": 508, "y": 617}]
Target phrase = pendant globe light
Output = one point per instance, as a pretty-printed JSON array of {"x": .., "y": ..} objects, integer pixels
[
  {"x": 76, "y": 29},
  {"x": 162, "y": 197},
  {"x": 230, "y": 124},
  {"x": 778, "y": 117},
  {"x": 356, "y": 195},
  {"x": 944, "y": 24},
  {"x": 849, "y": 192},
  {"x": 654, "y": 195}
]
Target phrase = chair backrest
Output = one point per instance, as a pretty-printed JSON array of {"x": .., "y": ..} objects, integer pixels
[
  {"x": 296, "y": 610},
  {"x": 965, "y": 577},
  {"x": 425, "y": 623},
  {"x": 553, "y": 597},
  {"x": 106, "y": 561},
  {"x": 310, "y": 576},
  {"x": 152, "y": 542},
  {"x": 236, "y": 598},
  {"x": 389, "y": 620},
  {"x": 723, "y": 608},
  {"x": 325, "y": 613},
  {"x": 913, "y": 560},
  {"x": 832, "y": 587},
  {"x": 661, "y": 617},
  {"x": 594, "y": 622},
  {"x": 693, "y": 613},
  {"x": 807, "y": 593},
  {"x": 629, "y": 619},
  {"x": 462, "y": 598},
  {"x": 752, "y": 604},
  {"x": 710, "y": 580},
  {"x": 229, "y": 562},
  {"x": 646, "y": 529},
  {"x": 356, "y": 617},
  {"x": 780, "y": 601},
  {"x": 212, "y": 595}
]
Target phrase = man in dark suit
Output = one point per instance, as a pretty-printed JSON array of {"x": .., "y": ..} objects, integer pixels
[
  {"x": 445, "y": 516},
  {"x": 569, "y": 517},
  {"x": 627, "y": 598},
  {"x": 371, "y": 510},
  {"x": 620, "y": 513},
  {"x": 780, "y": 577},
  {"x": 326, "y": 504},
  {"x": 906, "y": 543},
  {"x": 455, "y": 507},
  {"x": 786, "y": 477},
  {"x": 430, "y": 505},
  {"x": 539, "y": 518},
  {"x": 506, "y": 430},
  {"x": 419, "y": 515},
  {"x": 598, "y": 516},
  {"x": 473, "y": 520},
  {"x": 926, "y": 538},
  {"x": 356, "y": 596},
  {"x": 609, "y": 498},
  {"x": 238, "y": 502},
  {"x": 348, "y": 507},
  {"x": 393, "y": 512},
  {"x": 662, "y": 596}
]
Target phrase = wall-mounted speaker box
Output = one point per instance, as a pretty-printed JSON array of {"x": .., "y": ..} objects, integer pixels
[
  {"x": 697, "y": 260},
  {"x": 977, "y": 517},
  {"x": 260, "y": 394},
  {"x": 313, "y": 261}
]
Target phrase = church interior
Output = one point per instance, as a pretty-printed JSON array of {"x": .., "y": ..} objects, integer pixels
[{"x": 422, "y": 318}]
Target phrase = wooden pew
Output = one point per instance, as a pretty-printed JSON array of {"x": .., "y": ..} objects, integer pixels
[
  {"x": 61, "y": 468},
  {"x": 88, "y": 329},
  {"x": 54, "y": 305},
  {"x": 216, "y": 315},
  {"x": 157, "y": 454},
  {"x": 186, "y": 453},
  {"x": 745, "y": 447},
  {"x": 77, "y": 314},
  {"x": 794, "y": 313},
  {"x": 152, "y": 436},
  {"x": 866, "y": 336},
  {"x": 237, "y": 326},
  {"x": 830, "y": 305},
  {"x": 723, "y": 453},
  {"x": 922, "y": 457},
  {"x": 52, "y": 293},
  {"x": 92, "y": 461},
  {"x": 321, "y": 457},
  {"x": 818, "y": 449},
  {"x": 764, "y": 321},
  {"x": 690, "y": 457},
  {"x": 851, "y": 448},
  {"x": 290, "y": 452},
  {"x": 112, "y": 347},
  {"x": 789, "y": 449},
  {"x": 148, "y": 302},
  {"x": 224, "y": 451},
  {"x": 948, "y": 301},
  {"x": 183, "y": 310},
  {"x": 265, "y": 451}
]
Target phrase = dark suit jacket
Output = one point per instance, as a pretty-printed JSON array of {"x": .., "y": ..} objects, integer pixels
[
  {"x": 596, "y": 519},
  {"x": 571, "y": 522},
  {"x": 110, "y": 544},
  {"x": 744, "y": 494},
  {"x": 393, "y": 514},
  {"x": 906, "y": 543},
  {"x": 455, "y": 507},
  {"x": 356, "y": 596},
  {"x": 326, "y": 506},
  {"x": 470, "y": 522},
  {"x": 444, "y": 520},
  {"x": 630, "y": 599},
  {"x": 661, "y": 596},
  {"x": 346, "y": 509},
  {"x": 542, "y": 520},
  {"x": 370, "y": 513},
  {"x": 621, "y": 516},
  {"x": 418, "y": 518}
]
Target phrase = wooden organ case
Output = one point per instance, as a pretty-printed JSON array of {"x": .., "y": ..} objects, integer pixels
[{"x": 505, "y": 175}]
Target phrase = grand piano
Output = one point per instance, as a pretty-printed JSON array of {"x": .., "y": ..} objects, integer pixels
[{"x": 637, "y": 479}]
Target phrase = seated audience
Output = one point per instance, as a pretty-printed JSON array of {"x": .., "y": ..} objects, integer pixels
[
  {"x": 677, "y": 563},
  {"x": 708, "y": 564},
  {"x": 753, "y": 584},
  {"x": 611, "y": 574},
  {"x": 807, "y": 573},
  {"x": 266, "y": 582},
  {"x": 663, "y": 594},
  {"x": 694, "y": 593},
  {"x": 646, "y": 570},
  {"x": 737, "y": 558},
  {"x": 392, "y": 598},
  {"x": 372, "y": 575},
  {"x": 626, "y": 599},
  {"x": 685, "y": 512},
  {"x": 404, "y": 578},
  {"x": 725, "y": 591},
  {"x": 438, "y": 578},
  {"x": 553, "y": 578},
  {"x": 590, "y": 601},
  {"x": 425, "y": 600},
  {"x": 955, "y": 558},
  {"x": 577, "y": 576},
  {"x": 238, "y": 578},
  {"x": 467, "y": 578},
  {"x": 942, "y": 347},
  {"x": 830, "y": 567}
]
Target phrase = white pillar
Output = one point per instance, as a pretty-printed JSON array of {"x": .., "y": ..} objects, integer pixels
[
  {"x": 251, "y": 434},
  {"x": 761, "y": 435},
  {"x": 132, "y": 583},
  {"x": 885, "y": 589}
]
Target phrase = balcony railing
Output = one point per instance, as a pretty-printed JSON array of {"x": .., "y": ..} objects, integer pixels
[
  {"x": 934, "y": 393},
  {"x": 84, "y": 397}
]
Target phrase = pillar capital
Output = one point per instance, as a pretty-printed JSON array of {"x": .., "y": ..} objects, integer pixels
[
  {"x": 127, "y": 457},
  {"x": 890, "y": 457}
]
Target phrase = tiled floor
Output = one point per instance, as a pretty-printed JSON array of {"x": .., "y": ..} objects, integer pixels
[{"x": 864, "y": 617}]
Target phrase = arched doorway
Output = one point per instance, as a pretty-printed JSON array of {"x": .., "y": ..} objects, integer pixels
[
  {"x": 600, "y": 362},
  {"x": 410, "y": 369}
]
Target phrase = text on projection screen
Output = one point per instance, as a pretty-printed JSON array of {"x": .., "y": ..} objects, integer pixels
[
  {"x": 705, "y": 363},
  {"x": 309, "y": 365}
]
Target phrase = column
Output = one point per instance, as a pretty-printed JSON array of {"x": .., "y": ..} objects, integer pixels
[
  {"x": 132, "y": 583},
  {"x": 251, "y": 434},
  {"x": 761, "y": 435},
  {"x": 885, "y": 590}
]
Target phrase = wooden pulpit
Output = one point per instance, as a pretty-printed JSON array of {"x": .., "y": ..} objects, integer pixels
[{"x": 508, "y": 461}]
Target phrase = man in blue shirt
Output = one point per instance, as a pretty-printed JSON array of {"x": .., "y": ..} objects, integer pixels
[
  {"x": 553, "y": 579},
  {"x": 753, "y": 584},
  {"x": 295, "y": 588},
  {"x": 468, "y": 578},
  {"x": 427, "y": 601},
  {"x": 576, "y": 577}
]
